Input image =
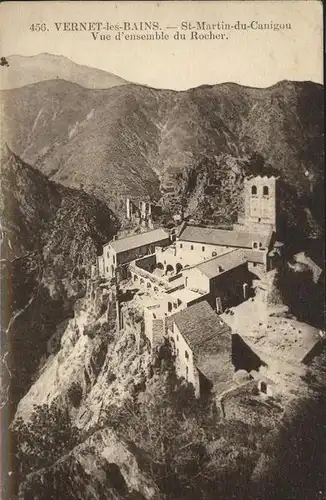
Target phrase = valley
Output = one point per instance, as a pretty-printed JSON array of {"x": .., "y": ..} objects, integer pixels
[{"x": 162, "y": 287}]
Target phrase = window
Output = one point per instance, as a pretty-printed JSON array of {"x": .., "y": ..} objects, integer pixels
[
  {"x": 181, "y": 245},
  {"x": 255, "y": 244},
  {"x": 187, "y": 371},
  {"x": 108, "y": 254},
  {"x": 186, "y": 355},
  {"x": 177, "y": 337},
  {"x": 191, "y": 247},
  {"x": 203, "y": 249},
  {"x": 169, "y": 306},
  {"x": 253, "y": 190},
  {"x": 260, "y": 245},
  {"x": 113, "y": 258},
  {"x": 265, "y": 191}
]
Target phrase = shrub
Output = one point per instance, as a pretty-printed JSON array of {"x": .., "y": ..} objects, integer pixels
[
  {"x": 75, "y": 394},
  {"x": 46, "y": 437}
]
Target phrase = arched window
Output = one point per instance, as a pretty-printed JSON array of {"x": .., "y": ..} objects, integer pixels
[
  {"x": 255, "y": 244},
  {"x": 253, "y": 189},
  {"x": 265, "y": 191},
  {"x": 178, "y": 267}
]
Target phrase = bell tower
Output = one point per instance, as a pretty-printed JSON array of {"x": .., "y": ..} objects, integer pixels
[{"x": 261, "y": 202}]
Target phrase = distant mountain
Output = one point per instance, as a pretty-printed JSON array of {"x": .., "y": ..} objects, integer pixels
[
  {"x": 50, "y": 236},
  {"x": 135, "y": 140},
  {"x": 24, "y": 70}
]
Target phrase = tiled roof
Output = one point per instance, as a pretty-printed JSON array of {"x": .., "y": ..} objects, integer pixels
[
  {"x": 138, "y": 240},
  {"x": 254, "y": 256},
  {"x": 223, "y": 237},
  {"x": 222, "y": 263},
  {"x": 209, "y": 337},
  {"x": 198, "y": 324}
]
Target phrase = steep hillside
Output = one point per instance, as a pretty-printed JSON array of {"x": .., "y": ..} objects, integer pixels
[
  {"x": 106, "y": 419},
  {"x": 24, "y": 70},
  {"x": 103, "y": 467},
  {"x": 50, "y": 237},
  {"x": 137, "y": 140}
]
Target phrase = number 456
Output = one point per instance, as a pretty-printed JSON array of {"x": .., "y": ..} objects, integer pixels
[{"x": 38, "y": 27}]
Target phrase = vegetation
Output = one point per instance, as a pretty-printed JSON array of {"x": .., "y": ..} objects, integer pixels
[
  {"x": 192, "y": 452},
  {"x": 44, "y": 439},
  {"x": 305, "y": 298},
  {"x": 187, "y": 448}
]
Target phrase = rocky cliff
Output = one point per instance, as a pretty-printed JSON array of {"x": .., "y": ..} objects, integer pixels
[
  {"x": 50, "y": 238},
  {"x": 94, "y": 369},
  {"x": 106, "y": 419},
  {"x": 102, "y": 467}
]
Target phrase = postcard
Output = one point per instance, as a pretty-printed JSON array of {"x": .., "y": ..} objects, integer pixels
[{"x": 162, "y": 250}]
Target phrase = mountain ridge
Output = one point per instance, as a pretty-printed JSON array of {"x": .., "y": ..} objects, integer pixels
[
  {"x": 24, "y": 70},
  {"x": 133, "y": 140}
]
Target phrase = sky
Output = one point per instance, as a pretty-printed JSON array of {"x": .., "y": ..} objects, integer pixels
[{"x": 252, "y": 57}]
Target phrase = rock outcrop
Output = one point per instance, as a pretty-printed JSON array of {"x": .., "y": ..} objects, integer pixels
[
  {"x": 50, "y": 238},
  {"x": 103, "y": 467}
]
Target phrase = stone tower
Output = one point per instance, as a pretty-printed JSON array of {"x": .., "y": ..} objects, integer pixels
[{"x": 261, "y": 202}]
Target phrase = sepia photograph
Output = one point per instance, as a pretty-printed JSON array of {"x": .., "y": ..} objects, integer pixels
[{"x": 162, "y": 251}]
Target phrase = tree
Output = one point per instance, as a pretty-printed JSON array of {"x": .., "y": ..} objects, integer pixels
[{"x": 46, "y": 437}]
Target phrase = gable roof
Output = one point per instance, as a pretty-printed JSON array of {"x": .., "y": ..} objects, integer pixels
[
  {"x": 209, "y": 337},
  {"x": 138, "y": 240},
  {"x": 255, "y": 256},
  {"x": 223, "y": 237},
  {"x": 222, "y": 263},
  {"x": 198, "y": 324}
]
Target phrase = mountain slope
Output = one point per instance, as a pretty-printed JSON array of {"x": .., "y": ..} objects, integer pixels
[
  {"x": 137, "y": 140},
  {"x": 50, "y": 238},
  {"x": 25, "y": 70}
]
